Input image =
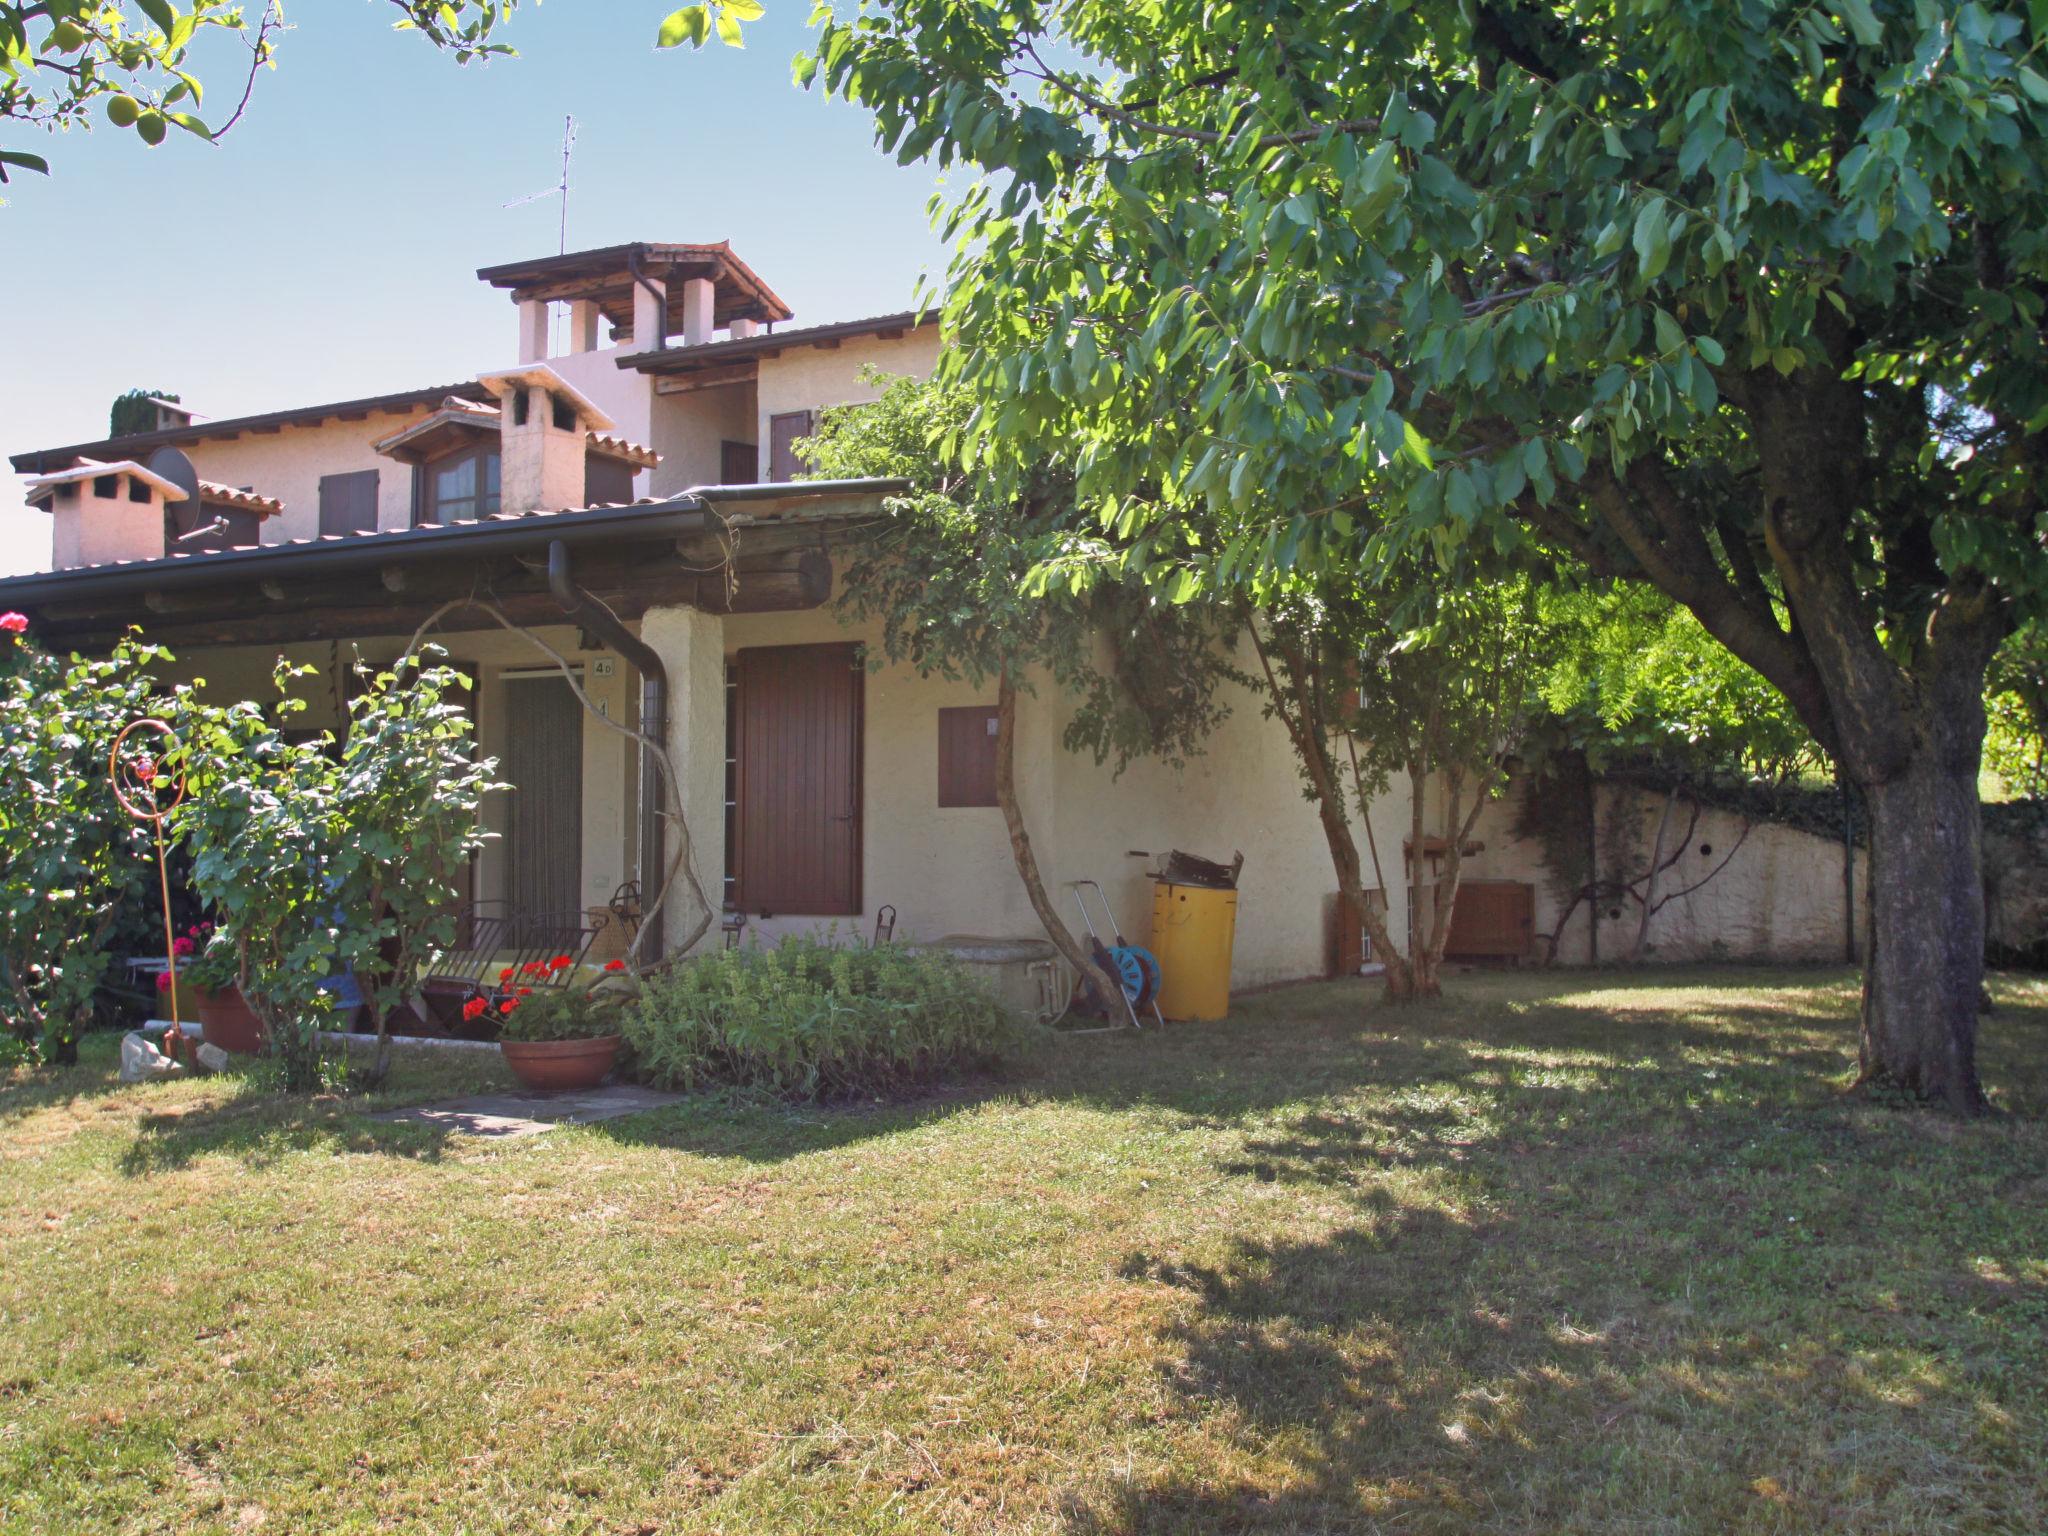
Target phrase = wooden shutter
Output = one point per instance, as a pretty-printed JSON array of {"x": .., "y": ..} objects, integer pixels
[
  {"x": 348, "y": 503},
  {"x": 783, "y": 432},
  {"x": 967, "y": 756},
  {"x": 606, "y": 480},
  {"x": 738, "y": 463},
  {"x": 799, "y": 712}
]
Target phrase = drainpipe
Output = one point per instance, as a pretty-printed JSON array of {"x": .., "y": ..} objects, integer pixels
[{"x": 600, "y": 620}]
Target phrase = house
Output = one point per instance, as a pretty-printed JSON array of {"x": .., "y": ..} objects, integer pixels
[{"x": 626, "y": 493}]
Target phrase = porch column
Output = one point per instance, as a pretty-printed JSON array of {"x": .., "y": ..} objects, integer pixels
[
  {"x": 650, "y": 314},
  {"x": 584, "y": 316},
  {"x": 691, "y": 644},
  {"x": 533, "y": 331}
]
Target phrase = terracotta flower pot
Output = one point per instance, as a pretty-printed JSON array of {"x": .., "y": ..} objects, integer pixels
[
  {"x": 561, "y": 1063},
  {"x": 228, "y": 1020}
]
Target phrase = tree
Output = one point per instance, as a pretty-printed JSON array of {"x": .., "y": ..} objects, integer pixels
[
  {"x": 70, "y": 856},
  {"x": 1741, "y": 301},
  {"x": 1418, "y": 677},
  {"x": 2018, "y": 704},
  {"x": 946, "y": 577},
  {"x": 135, "y": 411}
]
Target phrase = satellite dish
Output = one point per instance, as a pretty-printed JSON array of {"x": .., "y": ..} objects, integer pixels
[{"x": 182, "y": 515}]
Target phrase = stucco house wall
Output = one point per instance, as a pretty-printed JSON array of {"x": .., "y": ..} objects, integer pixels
[
  {"x": 808, "y": 378},
  {"x": 290, "y": 463},
  {"x": 950, "y": 871}
]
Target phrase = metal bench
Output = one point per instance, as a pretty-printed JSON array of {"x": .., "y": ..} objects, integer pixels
[{"x": 491, "y": 941}]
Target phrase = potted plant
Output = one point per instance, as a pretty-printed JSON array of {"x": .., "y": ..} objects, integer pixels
[
  {"x": 208, "y": 990},
  {"x": 552, "y": 1037}
]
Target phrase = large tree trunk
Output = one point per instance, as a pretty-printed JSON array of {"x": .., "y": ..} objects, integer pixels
[
  {"x": 1924, "y": 967},
  {"x": 1106, "y": 988}
]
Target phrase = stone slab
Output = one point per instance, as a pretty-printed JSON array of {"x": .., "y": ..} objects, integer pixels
[{"x": 512, "y": 1115}]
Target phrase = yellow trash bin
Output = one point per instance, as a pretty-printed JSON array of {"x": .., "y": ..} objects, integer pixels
[{"x": 1193, "y": 929}]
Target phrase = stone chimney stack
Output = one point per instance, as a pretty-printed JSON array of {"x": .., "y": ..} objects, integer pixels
[{"x": 543, "y": 422}]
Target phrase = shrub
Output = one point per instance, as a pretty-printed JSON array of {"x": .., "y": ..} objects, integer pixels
[{"x": 810, "y": 1020}]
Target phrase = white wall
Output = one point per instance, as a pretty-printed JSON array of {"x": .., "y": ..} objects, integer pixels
[
  {"x": 289, "y": 464},
  {"x": 950, "y": 871},
  {"x": 688, "y": 429}
]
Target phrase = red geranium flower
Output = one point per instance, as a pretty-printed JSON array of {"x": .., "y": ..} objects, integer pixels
[
  {"x": 505, "y": 974},
  {"x": 509, "y": 1005},
  {"x": 163, "y": 981},
  {"x": 526, "y": 991},
  {"x": 615, "y": 965},
  {"x": 560, "y": 963},
  {"x": 14, "y": 623},
  {"x": 474, "y": 1008},
  {"x": 534, "y": 968},
  {"x": 183, "y": 947}
]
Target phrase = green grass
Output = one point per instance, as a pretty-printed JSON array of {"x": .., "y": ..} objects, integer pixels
[{"x": 1559, "y": 1253}]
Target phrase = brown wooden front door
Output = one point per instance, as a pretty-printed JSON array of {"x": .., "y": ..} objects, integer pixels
[{"x": 798, "y": 717}]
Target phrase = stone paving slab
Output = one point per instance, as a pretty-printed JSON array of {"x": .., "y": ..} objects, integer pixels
[{"x": 512, "y": 1115}]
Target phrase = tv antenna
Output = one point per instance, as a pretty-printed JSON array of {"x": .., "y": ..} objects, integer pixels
[{"x": 559, "y": 189}]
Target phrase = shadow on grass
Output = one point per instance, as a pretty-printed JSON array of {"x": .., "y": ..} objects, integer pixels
[
  {"x": 260, "y": 1127},
  {"x": 1646, "y": 1271}
]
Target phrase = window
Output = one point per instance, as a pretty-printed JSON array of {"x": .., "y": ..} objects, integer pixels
[
  {"x": 138, "y": 490},
  {"x": 461, "y": 487},
  {"x": 565, "y": 414},
  {"x": 106, "y": 487},
  {"x": 967, "y": 756}
]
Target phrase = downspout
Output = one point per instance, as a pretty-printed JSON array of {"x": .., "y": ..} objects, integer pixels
[{"x": 600, "y": 620}]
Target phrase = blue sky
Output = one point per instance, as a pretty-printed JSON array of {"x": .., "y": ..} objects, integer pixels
[{"x": 327, "y": 248}]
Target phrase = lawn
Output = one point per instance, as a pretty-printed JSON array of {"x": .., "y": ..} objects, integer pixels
[{"x": 1562, "y": 1252}]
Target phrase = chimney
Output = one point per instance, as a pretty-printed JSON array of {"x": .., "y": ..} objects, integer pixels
[
  {"x": 101, "y": 513},
  {"x": 542, "y": 422}
]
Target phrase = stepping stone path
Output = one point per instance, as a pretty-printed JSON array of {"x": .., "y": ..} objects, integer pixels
[{"x": 513, "y": 1115}]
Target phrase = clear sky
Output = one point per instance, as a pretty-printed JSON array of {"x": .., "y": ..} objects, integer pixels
[{"x": 327, "y": 248}]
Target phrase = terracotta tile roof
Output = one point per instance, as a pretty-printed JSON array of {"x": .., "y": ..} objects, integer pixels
[{"x": 216, "y": 494}]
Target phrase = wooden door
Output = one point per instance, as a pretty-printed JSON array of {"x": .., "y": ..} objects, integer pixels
[
  {"x": 544, "y": 766},
  {"x": 784, "y": 433},
  {"x": 799, "y": 717}
]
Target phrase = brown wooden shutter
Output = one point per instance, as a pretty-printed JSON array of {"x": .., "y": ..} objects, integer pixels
[
  {"x": 738, "y": 463},
  {"x": 348, "y": 503},
  {"x": 967, "y": 756},
  {"x": 799, "y": 711},
  {"x": 606, "y": 481},
  {"x": 783, "y": 432}
]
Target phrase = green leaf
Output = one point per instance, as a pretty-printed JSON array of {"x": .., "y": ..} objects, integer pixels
[
  {"x": 1862, "y": 21},
  {"x": 745, "y": 10},
  {"x": 690, "y": 24},
  {"x": 24, "y": 159},
  {"x": 1415, "y": 446},
  {"x": 729, "y": 30},
  {"x": 1710, "y": 349},
  {"x": 1652, "y": 239},
  {"x": 159, "y": 12},
  {"x": 1670, "y": 335}
]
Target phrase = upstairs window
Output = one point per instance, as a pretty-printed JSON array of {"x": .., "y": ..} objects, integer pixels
[
  {"x": 106, "y": 487},
  {"x": 462, "y": 487}
]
